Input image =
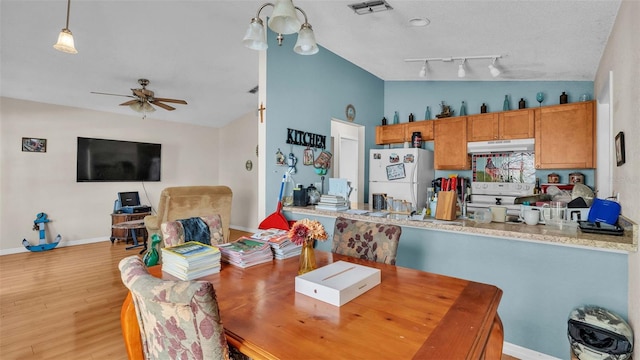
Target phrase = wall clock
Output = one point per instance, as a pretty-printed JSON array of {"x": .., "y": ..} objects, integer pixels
[{"x": 350, "y": 112}]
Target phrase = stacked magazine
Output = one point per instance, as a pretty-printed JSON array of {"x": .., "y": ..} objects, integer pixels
[
  {"x": 246, "y": 252},
  {"x": 191, "y": 260},
  {"x": 280, "y": 243},
  {"x": 332, "y": 203}
]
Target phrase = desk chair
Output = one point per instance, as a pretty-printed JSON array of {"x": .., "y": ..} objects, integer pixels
[
  {"x": 366, "y": 240},
  {"x": 176, "y": 319}
]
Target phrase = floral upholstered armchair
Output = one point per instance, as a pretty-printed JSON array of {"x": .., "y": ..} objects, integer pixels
[
  {"x": 176, "y": 319},
  {"x": 366, "y": 240}
]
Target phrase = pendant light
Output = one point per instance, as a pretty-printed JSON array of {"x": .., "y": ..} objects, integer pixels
[
  {"x": 283, "y": 20},
  {"x": 65, "y": 39}
]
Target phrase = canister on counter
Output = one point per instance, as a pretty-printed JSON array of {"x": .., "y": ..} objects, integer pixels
[
  {"x": 576, "y": 178},
  {"x": 553, "y": 178}
]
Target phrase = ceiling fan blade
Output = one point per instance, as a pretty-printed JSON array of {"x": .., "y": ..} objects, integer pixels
[
  {"x": 164, "y": 106},
  {"x": 130, "y": 102},
  {"x": 175, "y": 101},
  {"x": 101, "y": 93}
]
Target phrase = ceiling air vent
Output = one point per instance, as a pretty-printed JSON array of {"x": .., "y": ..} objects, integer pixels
[{"x": 370, "y": 7}]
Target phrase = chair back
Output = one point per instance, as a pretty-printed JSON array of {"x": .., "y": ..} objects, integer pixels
[
  {"x": 366, "y": 240},
  {"x": 184, "y": 202},
  {"x": 177, "y": 319}
]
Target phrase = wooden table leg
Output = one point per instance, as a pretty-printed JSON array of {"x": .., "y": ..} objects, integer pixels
[{"x": 493, "y": 350}]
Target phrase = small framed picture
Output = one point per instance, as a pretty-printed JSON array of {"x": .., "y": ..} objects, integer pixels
[
  {"x": 34, "y": 145},
  {"x": 620, "y": 148},
  {"x": 307, "y": 158}
]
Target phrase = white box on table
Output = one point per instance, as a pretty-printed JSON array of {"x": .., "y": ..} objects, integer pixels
[{"x": 338, "y": 283}]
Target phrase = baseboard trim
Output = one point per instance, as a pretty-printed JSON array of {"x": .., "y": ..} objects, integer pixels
[
  {"x": 524, "y": 353},
  {"x": 63, "y": 243}
]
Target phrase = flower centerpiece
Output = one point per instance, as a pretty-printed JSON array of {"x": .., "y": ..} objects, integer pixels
[{"x": 304, "y": 232}]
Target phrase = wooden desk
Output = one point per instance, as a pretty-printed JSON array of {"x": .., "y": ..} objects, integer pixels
[{"x": 411, "y": 314}]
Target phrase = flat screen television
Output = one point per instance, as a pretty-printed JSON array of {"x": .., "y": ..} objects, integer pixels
[{"x": 116, "y": 160}]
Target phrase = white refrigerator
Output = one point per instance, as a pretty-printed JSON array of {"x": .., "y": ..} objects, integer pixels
[{"x": 402, "y": 174}]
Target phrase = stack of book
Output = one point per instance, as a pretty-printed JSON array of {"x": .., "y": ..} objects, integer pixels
[
  {"x": 246, "y": 252},
  {"x": 333, "y": 203},
  {"x": 280, "y": 243},
  {"x": 191, "y": 260}
]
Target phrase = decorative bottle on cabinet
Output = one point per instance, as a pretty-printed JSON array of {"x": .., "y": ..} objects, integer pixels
[
  {"x": 522, "y": 104},
  {"x": 505, "y": 106},
  {"x": 463, "y": 109},
  {"x": 384, "y": 120},
  {"x": 483, "y": 108},
  {"x": 411, "y": 118},
  {"x": 396, "y": 118},
  {"x": 564, "y": 98},
  {"x": 427, "y": 114}
]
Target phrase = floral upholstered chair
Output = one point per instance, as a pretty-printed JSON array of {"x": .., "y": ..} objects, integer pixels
[
  {"x": 177, "y": 319},
  {"x": 366, "y": 240}
]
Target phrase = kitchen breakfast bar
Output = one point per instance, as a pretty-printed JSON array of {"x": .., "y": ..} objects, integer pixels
[{"x": 544, "y": 273}]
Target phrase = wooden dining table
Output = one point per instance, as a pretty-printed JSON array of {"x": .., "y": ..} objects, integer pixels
[{"x": 411, "y": 314}]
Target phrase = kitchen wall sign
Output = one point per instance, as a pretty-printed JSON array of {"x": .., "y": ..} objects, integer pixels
[{"x": 303, "y": 138}]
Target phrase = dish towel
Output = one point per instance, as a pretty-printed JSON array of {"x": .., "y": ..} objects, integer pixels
[{"x": 195, "y": 229}]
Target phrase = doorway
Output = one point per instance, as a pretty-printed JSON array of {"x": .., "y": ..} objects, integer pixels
[{"x": 348, "y": 154}]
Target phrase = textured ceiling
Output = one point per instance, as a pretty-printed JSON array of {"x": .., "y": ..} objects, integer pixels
[{"x": 191, "y": 49}]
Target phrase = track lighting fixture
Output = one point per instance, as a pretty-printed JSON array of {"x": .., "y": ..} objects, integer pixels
[
  {"x": 65, "y": 38},
  {"x": 462, "y": 71},
  {"x": 283, "y": 21},
  {"x": 493, "y": 70}
]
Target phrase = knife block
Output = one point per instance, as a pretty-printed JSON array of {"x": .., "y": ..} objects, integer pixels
[{"x": 446, "y": 208}]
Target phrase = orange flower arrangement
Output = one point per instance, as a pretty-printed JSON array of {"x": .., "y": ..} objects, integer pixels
[{"x": 307, "y": 229}]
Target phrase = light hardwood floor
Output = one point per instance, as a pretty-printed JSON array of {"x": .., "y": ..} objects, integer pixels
[{"x": 65, "y": 303}]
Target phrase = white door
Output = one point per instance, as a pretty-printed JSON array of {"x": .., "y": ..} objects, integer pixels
[{"x": 348, "y": 148}]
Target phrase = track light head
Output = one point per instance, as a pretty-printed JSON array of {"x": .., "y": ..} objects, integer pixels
[
  {"x": 423, "y": 71},
  {"x": 493, "y": 70},
  {"x": 461, "y": 71}
]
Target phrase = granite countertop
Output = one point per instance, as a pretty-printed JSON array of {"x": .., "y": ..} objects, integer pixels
[{"x": 515, "y": 231}]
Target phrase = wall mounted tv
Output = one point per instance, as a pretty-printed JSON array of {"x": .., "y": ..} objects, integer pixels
[{"x": 115, "y": 160}]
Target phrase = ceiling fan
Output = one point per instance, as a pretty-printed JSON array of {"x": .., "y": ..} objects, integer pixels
[{"x": 143, "y": 98}]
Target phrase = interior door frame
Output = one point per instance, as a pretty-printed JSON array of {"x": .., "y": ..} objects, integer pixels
[{"x": 343, "y": 129}]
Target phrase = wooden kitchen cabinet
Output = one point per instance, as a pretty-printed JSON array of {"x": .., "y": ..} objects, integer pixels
[
  {"x": 425, "y": 127},
  {"x": 389, "y": 134},
  {"x": 450, "y": 144},
  {"x": 398, "y": 133},
  {"x": 565, "y": 136},
  {"x": 517, "y": 124}
]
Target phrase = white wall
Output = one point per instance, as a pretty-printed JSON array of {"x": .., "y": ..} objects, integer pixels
[
  {"x": 237, "y": 144},
  {"x": 46, "y": 182},
  {"x": 622, "y": 56}
]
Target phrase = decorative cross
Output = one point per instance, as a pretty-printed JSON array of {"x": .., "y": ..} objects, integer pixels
[{"x": 261, "y": 109}]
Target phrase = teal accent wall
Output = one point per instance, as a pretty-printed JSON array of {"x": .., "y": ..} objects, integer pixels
[
  {"x": 541, "y": 283},
  {"x": 304, "y": 93}
]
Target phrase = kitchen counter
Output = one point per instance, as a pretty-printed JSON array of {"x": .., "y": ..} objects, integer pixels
[{"x": 515, "y": 231}]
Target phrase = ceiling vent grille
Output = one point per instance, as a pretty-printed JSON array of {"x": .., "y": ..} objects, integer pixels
[{"x": 370, "y": 7}]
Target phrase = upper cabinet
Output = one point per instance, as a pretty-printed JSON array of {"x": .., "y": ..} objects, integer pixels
[
  {"x": 565, "y": 136},
  {"x": 398, "y": 133},
  {"x": 389, "y": 134},
  {"x": 450, "y": 144},
  {"x": 517, "y": 124}
]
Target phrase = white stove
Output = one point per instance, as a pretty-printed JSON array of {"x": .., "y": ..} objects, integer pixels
[{"x": 487, "y": 194}]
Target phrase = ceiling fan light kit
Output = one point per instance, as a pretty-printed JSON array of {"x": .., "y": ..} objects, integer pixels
[
  {"x": 283, "y": 21},
  {"x": 461, "y": 68},
  {"x": 65, "y": 38}
]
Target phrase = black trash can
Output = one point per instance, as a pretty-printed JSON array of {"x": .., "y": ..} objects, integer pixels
[{"x": 596, "y": 333}]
